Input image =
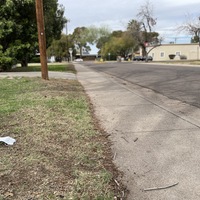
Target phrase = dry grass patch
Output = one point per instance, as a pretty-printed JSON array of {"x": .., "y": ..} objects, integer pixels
[{"x": 59, "y": 153}]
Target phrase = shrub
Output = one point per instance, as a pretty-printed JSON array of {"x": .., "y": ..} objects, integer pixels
[
  {"x": 183, "y": 57},
  {"x": 6, "y": 63},
  {"x": 172, "y": 56},
  {"x": 35, "y": 59}
]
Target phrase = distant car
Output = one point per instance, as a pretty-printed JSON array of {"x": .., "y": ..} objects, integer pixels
[
  {"x": 149, "y": 58},
  {"x": 78, "y": 60},
  {"x": 143, "y": 58},
  {"x": 138, "y": 58}
]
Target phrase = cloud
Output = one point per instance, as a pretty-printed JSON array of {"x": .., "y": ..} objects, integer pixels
[
  {"x": 116, "y": 14},
  {"x": 172, "y": 16}
]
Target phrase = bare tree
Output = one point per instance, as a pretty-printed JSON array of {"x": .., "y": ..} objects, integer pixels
[
  {"x": 146, "y": 16},
  {"x": 142, "y": 28},
  {"x": 191, "y": 26}
]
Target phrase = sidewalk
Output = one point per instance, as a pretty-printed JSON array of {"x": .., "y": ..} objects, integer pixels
[{"x": 154, "y": 143}]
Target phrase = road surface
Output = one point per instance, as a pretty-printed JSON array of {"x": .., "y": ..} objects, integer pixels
[{"x": 176, "y": 82}]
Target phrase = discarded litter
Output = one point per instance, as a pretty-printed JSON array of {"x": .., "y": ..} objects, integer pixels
[{"x": 7, "y": 140}]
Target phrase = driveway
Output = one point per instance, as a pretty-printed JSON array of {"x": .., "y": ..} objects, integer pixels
[{"x": 156, "y": 140}]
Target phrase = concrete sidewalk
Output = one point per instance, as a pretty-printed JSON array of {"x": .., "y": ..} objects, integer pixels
[{"x": 156, "y": 141}]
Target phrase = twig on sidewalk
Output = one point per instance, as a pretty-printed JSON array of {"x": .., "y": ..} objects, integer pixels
[
  {"x": 161, "y": 188},
  {"x": 125, "y": 139},
  {"x": 114, "y": 156},
  {"x": 123, "y": 194}
]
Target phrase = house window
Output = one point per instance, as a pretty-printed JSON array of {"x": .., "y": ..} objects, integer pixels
[
  {"x": 152, "y": 55},
  {"x": 162, "y": 54},
  {"x": 178, "y": 53}
]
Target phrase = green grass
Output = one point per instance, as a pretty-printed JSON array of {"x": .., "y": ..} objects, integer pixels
[
  {"x": 14, "y": 95},
  {"x": 61, "y": 67},
  {"x": 59, "y": 153}
]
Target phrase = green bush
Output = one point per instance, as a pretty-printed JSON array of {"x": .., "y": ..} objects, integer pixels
[
  {"x": 172, "y": 56},
  {"x": 6, "y": 63},
  {"x": 6, "y": 60},
  {"x": 35, "y": 59},
  {"x": 183, "y": 57}
]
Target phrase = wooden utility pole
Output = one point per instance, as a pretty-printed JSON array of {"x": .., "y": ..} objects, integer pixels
[
  {"x": 67, "y": 50},
  {"x": 41, "y": 38}
]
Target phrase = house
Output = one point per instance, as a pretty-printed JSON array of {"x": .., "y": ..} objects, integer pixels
[{"x": 181, "y": 51}]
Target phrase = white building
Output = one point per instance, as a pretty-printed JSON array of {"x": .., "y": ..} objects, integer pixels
[{"x": 181, "y": 51}]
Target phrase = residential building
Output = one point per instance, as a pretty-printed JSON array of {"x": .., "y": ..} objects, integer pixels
[{"x": 181, "y": 51}]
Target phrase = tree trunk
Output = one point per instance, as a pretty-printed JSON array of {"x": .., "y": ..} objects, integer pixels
[
  {"x": 81, "y": 51},
  {"x": 24, "y": 62},
  {"x": 144, "y": 51}
]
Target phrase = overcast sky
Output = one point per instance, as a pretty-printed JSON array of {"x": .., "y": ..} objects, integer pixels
[{"x": 116, "y": 14}]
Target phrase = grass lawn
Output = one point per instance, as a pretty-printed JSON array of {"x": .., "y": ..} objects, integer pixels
[
  {"x": 62, "y": 67},
  {"x": 60, "y": 153}
]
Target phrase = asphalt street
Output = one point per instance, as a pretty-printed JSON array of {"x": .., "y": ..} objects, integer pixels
[
  {"x": 156, "y": 139},
  {"x": 175, "y": 82}
]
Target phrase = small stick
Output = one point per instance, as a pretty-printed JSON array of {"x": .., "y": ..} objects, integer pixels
[
  {"x": 123, "y": 194},
  {"x": 161, "y": 188},
  {"x": 116, "y": 182},
  {"x": 114, "y": 156},
  {"x": 125, "y": 139}
]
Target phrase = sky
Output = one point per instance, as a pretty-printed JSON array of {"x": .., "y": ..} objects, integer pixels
[{"x": 116, "y": 14}]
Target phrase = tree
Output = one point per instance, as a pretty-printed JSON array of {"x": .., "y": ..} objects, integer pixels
[
  {"x": 191, "y": 26},
  {"x": 95, "y": 33},
  {"x": 82, "y": 36},
  {"x": 119, "y": 44},
  {"x": 102, "y": 41},
  {"x": 98, "y": 36},
  {"x": 146, "y": 18},
  {"x": 54, "y": 20},
  {"x": 142, "y": 28},
  {"x": 18, "y": 28},
  {"x": 25, "y": 42},
  {"x": 59, "y": 48}
]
